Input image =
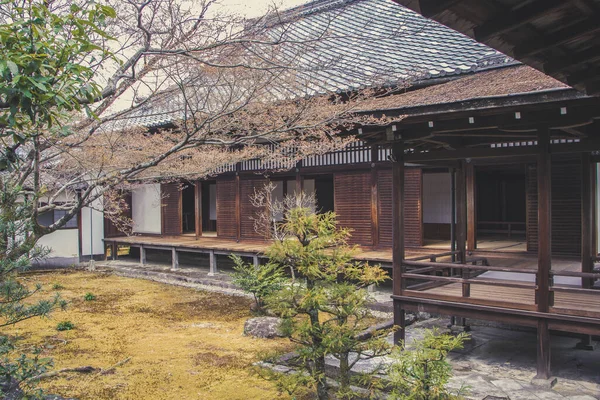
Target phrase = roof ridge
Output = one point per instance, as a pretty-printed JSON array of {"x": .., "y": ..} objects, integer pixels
[{"x": 303, "y": 10}]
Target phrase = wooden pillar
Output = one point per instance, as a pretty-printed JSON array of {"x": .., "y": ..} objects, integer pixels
[
  {"x": 461, "y": 213},
  {"x": 238, "y": 203},
  {"x": 587, "y": 219},
  {"x": 299, "y": 182},
  {"x": 114, "y": 250},
  {"x": 198, "y": 208},
  {"x": 174, "y": 258},
  {"x": 453, "y": 212},
  {"x": 471, "y": 208},
  {"x": 398, "y": 237},
  {"x": 544, "y": 251},
  {"x": 543, "y": 350},
  {"x": 255, "y": 261},
  {"x": 544, "y": 222},
  {"x": 212, "y": 263},
  {"x": 142, "y": 255}
]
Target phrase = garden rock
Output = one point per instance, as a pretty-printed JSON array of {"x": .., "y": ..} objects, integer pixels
[{"x": 263, "y": 327}]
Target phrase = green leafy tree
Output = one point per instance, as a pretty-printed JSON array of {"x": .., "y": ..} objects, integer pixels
[
  {"x": 39, "y": 85},
  {"x": 324, "y": 300},
  {"x": 259, "y": 280},
  {"x": 423, "y": 373}
]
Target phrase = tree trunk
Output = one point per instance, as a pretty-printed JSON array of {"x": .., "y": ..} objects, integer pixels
[
  {"x": 344, "y": 372},
  {"x": 319, "y": 361}
]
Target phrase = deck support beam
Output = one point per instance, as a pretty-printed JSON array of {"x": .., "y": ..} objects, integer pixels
[
  {"x": 587, "y": 218},
  {"x": 544, "y": 251},
  {"x": 212, "y": 263},
  {"x": 398, "y": 251},
  {"x": 142, "y": 255},
  {"x": 255, "y": 261},
  {"x": 174, "y": 258}
]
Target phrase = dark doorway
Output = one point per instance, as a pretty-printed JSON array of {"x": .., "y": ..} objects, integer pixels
[
  {"x": 501, "y": 201},
  {"x": 324, "y": 193},
  {"x": 188, "y": 208},
  {"x": 209, "y": 207}
]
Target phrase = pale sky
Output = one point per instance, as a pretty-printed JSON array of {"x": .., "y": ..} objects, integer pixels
[{"x": 256, "y": 8}]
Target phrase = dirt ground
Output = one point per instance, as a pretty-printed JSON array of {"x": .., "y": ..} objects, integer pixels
[{"x": 182, "y": 343}]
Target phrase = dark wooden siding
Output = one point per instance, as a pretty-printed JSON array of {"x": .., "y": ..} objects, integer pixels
[
  {"x": 384, "y": 206},
  {"x": 171, "y": 208},
  {"x": 566, "y": 207},
  {"x": 248, "y": 211},
  {"x": 413, "y": 210},
  {"x": 110, "y": 229},
  {"x": 226, "y": 213},
  {"x": 352, "y": 198}
]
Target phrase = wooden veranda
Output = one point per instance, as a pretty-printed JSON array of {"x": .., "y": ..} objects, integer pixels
[{"x": 462, "y": 138}]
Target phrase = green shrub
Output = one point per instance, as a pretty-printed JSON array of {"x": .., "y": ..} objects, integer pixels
[
  {"x": 260, "y": 280},
  {"x": 89, "y": 297},
  {"x": 423, "y": 373},
  {"x": 65, "y": 326},
  {"x": 57, "y": 286}
]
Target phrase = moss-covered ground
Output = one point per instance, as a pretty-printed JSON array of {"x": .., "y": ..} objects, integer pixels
[{"x": 180, "y": 343}]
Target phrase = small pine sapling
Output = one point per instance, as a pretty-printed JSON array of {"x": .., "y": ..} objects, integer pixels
[
  {"x": 423, "y": 373},
  {"x": 259, "y": 280}
]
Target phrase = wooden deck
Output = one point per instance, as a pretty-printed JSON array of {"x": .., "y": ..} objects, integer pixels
[{"x": 244, "y": 247}]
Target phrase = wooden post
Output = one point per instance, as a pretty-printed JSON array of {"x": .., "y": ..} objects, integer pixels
[
  {"x": 238, "y": 203},
  {"x": 471, "y": 208},
  {"x": 544, "y": 251},
  {"x": 543, "y": 350},
  {"x": 114, "y": 250},
  {"x": 461, "y": 213},
  {"x": 544, "y": 221},
  {"x": 587, "y": 219},
  {"x": 198, "y": 208},
  {"x": 142, "y": 255},
  {"x": 298, "y": 179},
  {"x": 212, "y": 263},
  {"x": 174, "y": 258},
  {"x": 453, "y": 213},
  {"x": 255, "y": 261},
  {"x": 398, "y": 237}
]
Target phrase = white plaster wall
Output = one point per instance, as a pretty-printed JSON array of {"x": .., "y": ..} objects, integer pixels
[
  {"x": 437, "y": 198},
  {"x": 92, "y": 229},
  {"x": 145, "y": 209},
  {"x": 62, "y": 243}
]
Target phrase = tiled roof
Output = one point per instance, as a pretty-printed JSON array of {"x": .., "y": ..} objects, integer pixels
[{"x": 369, "y": 43}]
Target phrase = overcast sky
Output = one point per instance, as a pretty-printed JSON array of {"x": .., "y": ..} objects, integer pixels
[{"x": 256, "y": 8}]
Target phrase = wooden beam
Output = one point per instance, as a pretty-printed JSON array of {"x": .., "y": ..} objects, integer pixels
[
  {"x": 544, "y": 221},
  {"x": 471, "y": 208},
  {"x": 299, "y": 179},
  {"x": 587, "y": 218},
  {"x": 198, "y": 208},
  {"x": 431, "y": 8},
  {"x": 514, "y": 19},
  {"x": 562, "y": 36},
  {"x": 398, "y": 251},
  {"x": 559, "y": 64}
]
